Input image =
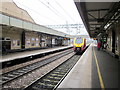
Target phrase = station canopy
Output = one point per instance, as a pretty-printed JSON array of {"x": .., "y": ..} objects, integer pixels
[{"x": 97, "y": 16}]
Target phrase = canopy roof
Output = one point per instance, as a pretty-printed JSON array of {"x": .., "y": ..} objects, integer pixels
[{"x": 96, "y": 15}]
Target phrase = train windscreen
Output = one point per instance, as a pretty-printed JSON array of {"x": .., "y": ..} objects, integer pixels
[{"x": 78, "y": 40}]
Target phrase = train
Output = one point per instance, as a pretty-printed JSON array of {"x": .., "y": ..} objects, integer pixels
[{"x": 79, "y": 45}]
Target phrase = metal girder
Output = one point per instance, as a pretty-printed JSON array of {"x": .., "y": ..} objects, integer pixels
[
  {"x": 95, "y": 23},
  {"x": 108, "y": 17},
  {"x": 101, "y": 20},
  {"x": 66, "y": 26},
  {"x": 91, "y": 16},
  {"x": 97, "y": 10},
  {"x": 94, "y": 30}
]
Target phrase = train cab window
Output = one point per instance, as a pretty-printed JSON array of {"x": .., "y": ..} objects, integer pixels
[{"x": 78, "y": 40}]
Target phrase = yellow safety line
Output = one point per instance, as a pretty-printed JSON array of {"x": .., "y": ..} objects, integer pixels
[{"x": 99, "y": 73}]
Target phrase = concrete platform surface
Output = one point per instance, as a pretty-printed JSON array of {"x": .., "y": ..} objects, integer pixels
[
  {"x": 80, "y": 75},
  {"x": 18, "y": 55},
  {"x": 95, "y": 69}
]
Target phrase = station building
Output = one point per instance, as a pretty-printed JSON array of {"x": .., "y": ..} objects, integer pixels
[{"x": 20, "y": 32}]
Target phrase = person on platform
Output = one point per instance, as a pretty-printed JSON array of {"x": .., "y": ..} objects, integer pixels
[{"x": 98, "y": 45}]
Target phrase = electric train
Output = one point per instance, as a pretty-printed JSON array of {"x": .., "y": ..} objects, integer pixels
[{"x": 79, "y": 44}]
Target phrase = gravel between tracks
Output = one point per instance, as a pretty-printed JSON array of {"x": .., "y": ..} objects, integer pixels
[
  {"x": 30, "y": 77},
  {"x": 8, "y": 69}
]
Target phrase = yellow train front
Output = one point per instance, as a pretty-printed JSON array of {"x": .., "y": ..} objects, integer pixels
[{"x": 79, "y": 45}]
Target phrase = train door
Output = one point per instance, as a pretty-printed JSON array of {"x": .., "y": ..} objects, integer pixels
[{"x": 113, "y": 41}]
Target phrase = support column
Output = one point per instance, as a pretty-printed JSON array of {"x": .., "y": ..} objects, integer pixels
[{"x": 23, "y": 40}]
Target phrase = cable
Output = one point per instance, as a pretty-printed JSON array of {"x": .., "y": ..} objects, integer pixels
[
  {"x": 55, "y": 9},
  {"x": 51, "y": 10},
  {"x": 35, "y": 11},
  {"x": 64, "y": 10}
]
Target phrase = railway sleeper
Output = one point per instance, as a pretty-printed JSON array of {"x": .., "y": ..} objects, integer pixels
[
  {"x": 50, "y": 80},
  {"x": 57, "y": 75}
]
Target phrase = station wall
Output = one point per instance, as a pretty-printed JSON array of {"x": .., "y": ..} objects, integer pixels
[
  {"x": 32, "y": 40},
  {"x": 53, "y": 41},
  {"x": 117, "y": 38},
  {"x": 10, "y": 8},
  {"x": 113, "y": 39},
  {"x": 17, "y": 38},
  {"x": 48, "y": 41},
  {"x": 66, "y": 42},
  {"x": 43, "y": 40},
  {"x": 14, "y": 36},
  {"x": 109, "y": 40}
]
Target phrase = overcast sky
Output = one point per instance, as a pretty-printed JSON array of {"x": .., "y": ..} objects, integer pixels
[{"x": 53, "y": 12}]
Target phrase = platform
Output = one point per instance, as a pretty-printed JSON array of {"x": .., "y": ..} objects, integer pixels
[
  {"x": 95, "y": 69},
  {"x": 24, "y": 54}
]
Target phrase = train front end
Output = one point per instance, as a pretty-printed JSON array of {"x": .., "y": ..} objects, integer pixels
[{"x": 79, "y": 45}]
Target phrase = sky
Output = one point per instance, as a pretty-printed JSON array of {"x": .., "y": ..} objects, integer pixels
[{"x": 54, "y": 12}]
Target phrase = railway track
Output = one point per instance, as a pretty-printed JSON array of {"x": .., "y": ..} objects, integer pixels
[
  {"x": 9, "y": 76},
  {"x": 53, "y": 78}
]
